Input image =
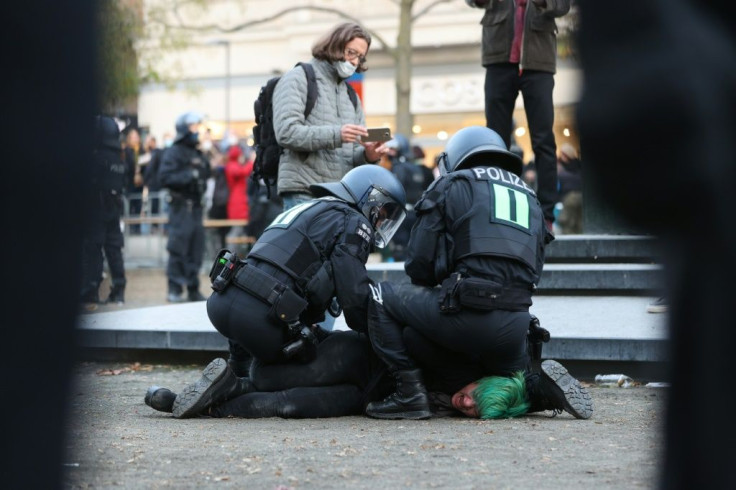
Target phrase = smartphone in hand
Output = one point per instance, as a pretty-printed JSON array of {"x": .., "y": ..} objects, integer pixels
[{"x": 378, "y": 134}]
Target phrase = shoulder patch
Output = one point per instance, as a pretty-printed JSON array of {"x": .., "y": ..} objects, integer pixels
[{"x": 365, "y": 232}]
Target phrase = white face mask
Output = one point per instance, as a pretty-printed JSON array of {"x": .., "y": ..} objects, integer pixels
[
  {"x": 345, "y": 69},
  {"x": 207, "y": 145}
]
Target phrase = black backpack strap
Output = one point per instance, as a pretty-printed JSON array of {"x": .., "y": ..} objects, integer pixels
[
  {"x": 353, "y": 95},
  {"x": 311, "y": 88}
]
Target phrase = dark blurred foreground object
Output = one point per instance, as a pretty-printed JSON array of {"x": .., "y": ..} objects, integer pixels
[
  {"x": 670, "y": 83},
  {"x": 104, "y": 209},
  {"x": 50, "y": 89}
]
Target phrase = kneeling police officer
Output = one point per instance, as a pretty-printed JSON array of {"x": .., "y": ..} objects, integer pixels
[
  {"x": 474, "y": 258},
  {"x": 317, "y": 250}
]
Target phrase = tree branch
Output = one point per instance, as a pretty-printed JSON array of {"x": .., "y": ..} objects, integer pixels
[
  {"x": 428, "y": 8},
  {"x": 239, "y": 27}
]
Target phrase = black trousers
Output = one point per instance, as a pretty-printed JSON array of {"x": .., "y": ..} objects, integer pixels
[
  {"x": 494, "y": 340},
  {"x": 342, "y": 378},
  {"x": 502, "y": 86},
  {"x": 185, "y": 247},
  {"x": 248, "y": 321},
  {"x": 103, "y": 235}
]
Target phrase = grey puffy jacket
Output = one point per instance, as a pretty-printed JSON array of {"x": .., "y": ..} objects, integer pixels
[{"x": 313, "y": 149}]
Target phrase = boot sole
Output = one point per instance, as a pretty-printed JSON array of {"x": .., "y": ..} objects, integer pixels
[
  {"x": 577, "y": 399},
  {"x": 418, "y": 415},
  {"x": 196, "y": 397}
]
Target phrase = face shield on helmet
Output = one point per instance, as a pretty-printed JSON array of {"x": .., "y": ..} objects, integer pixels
[
  {"x": 376, "y": 193},
  {"x": 384, "y": 213}
]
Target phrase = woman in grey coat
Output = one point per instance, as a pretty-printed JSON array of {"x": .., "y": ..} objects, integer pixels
[{"x": 326, "y": 145}]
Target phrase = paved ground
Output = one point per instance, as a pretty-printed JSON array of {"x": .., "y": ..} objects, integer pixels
[
  {"x": 115, "y": 440},
  {"x": 146, "y": 287}
]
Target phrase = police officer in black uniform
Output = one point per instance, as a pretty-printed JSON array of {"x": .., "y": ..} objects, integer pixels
[
  {"x": 105, "y": 208},
  {"x": 480, "y": 238},
  {"x": 414, "y": 181},
  {"x": 269, "y": 303},
  {"x": 184, "y": 171}
]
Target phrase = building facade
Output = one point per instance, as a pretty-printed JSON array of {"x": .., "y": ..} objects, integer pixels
[{"x": 221, "y": 73}]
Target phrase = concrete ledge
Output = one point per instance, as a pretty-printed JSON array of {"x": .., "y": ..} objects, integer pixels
[
  {"x": 603, "y": 248},
  {"x": 583, "y": 278},
  {"x": 609, "y": 328}
]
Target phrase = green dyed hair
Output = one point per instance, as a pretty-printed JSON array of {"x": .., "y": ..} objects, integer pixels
[{"x": 499, "y": 397}]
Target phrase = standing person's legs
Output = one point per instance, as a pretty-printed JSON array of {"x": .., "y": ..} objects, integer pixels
[
  {"x": 176, "y": 246},
  {"x": 536, "y": 88},
  {"x": 92, "y": 262},
  {"x": 195, "y": 255},
  {"x": 113, "y": 246},
  {"x": 501, "y": 90}
]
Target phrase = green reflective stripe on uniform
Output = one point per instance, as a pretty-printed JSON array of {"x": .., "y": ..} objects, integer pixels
[
  {"x": 510, "y": 205},
  {"x": 284, "y": 219}
]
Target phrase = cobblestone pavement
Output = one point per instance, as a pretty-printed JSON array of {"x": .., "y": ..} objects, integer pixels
[{"x": 115, "y": 440}]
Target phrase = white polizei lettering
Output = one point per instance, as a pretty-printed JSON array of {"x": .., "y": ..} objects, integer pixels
[
  {"x": 495, "y": 173},
  {"x": 520, "y": 182},
  {"x": 505, "y": 177},
  {"x": 376, "y": 293}
]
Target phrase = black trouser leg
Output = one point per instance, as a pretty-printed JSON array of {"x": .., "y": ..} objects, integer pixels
[
  {"x": 501, "y": 90},
  {"x": 239, "y": 360},
  {"x": 536, "y": 89},
  {"x": 343, "y": 357},
  {"x": 306, "y": 402},
  {"x": 113, "y": 246}
]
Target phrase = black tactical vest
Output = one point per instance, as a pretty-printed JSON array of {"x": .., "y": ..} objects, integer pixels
[
  {"x": 286, "y": 244},
  {"x": 110, "y": 170},
  {"x": 508, "y": 221}
]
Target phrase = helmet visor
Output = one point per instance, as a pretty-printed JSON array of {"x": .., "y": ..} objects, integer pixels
[{"x": 385, "y": 214}]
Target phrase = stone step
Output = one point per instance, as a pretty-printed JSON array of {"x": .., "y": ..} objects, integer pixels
[
  {"x": 635, "y": 279},
  {"x": 603, "y": 249},
  {"x": 602, "y": 328}
]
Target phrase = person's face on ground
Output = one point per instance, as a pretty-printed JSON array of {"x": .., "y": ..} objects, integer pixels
[{"x": 463, "y": 400}]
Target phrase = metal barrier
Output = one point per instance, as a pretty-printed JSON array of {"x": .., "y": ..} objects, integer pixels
[{"x": 145, "y": 230}]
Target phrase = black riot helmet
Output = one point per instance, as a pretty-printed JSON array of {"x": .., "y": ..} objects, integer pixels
[
  {"x": 184, "y": 121},
  {"x": 106, "y": 133},
  {"x": 477, "y": 146},
  {"x": 375, "y": 192}
]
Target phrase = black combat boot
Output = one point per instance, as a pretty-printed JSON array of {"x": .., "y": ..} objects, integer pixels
[
  {"x": 410, "y": 400},
  {"x": 161, "y": 399},
  {"x": 117, "y": 295},
  {"x": 195, "y": 295},
  {"x": 217, "y": 384},
  {"x": 555, "y": 389},
  {"x": 239, "y": 360}
]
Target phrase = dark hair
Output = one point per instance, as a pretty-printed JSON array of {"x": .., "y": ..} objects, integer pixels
[{"x": 331, "y": 47}]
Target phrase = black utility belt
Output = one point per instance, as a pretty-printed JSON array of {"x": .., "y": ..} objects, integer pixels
[
  {"x": 178, "y": 200},
  {"x": 287, "y": 304},
  {"x": 481, "y": 294},
  {"x": 254, "y": 281}
]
